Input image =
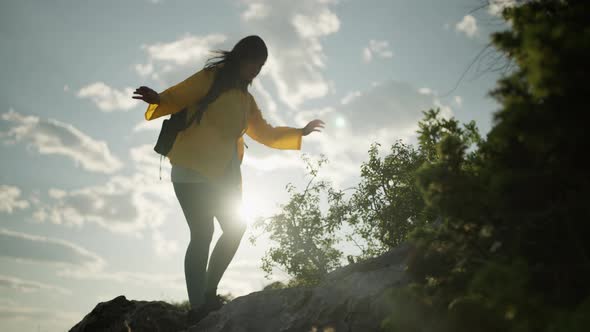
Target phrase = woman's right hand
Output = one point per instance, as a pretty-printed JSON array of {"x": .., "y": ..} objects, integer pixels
[{"x": 148, "y": 95}]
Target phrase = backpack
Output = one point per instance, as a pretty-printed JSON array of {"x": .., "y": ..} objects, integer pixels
[{"x": 170, "y": 129}]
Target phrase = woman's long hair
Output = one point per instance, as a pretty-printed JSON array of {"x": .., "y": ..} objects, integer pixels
[{"x": 227, "y": 65}]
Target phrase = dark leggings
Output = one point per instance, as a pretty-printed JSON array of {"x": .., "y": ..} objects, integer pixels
[{"x": 200, "y": 202}]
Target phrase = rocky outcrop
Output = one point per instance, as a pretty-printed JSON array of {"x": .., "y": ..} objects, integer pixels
[
  {"x": 122, "y": 315},
  {"x": 351, "y": 298}
]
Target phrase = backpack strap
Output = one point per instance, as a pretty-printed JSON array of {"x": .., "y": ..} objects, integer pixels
[{"x": 198, "y": 114}]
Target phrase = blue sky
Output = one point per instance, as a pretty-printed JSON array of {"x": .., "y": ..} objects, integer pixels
[{"x": 83, "y": 215}]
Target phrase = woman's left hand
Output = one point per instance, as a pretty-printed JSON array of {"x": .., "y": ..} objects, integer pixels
[{"x": 313, "y": 126}]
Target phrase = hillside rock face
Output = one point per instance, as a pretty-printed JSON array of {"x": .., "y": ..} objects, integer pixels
[{"x": 351, "y": 298}]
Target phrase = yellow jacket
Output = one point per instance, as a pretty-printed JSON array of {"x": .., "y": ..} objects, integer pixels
[{"x": 208, "y": 147}]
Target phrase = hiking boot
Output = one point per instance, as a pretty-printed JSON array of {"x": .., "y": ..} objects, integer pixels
[
  {"x": 213, "y": 302},
  {"x": 195, "y": 315}
]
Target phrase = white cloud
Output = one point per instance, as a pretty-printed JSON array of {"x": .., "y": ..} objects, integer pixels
[
  {"x": 9, "y": 199},
  {"x": 187, "y": 49},
  {"x": 54, "y": 137},
  {"x": 164, "y": 248},
  {"x": 367, "y": 55},
  {"x": 425, "y": 91},
  {"x": 255, "y": 11},
  {"x": 144, "y": 69},
  {"x": 108, "y": 99},
  {"x": 40, "y": 249},
  {"x": 378, "y": 48},
  {"x": 296, "y": 56},
  {"x": 122, "y": 205},
  {"x": 458, "y": 101},
  {"x": 313, "y": 26},
  {"x": 172, "y": 62},
  {"x": 497, "y": 6},
  {"x": 57, "y": 193},
  {"x": 350, "y": 97},
  {"x": 468, "y": 25},
  {"x": 29, "y": 286}
]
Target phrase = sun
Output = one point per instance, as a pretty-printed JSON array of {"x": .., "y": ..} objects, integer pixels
[{"x": 250, "y": 209}]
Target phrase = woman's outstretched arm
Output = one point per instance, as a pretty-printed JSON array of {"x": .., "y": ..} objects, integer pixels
[
  {"x": 286, "y": 138},
  {"x": 176, "y": 97}
]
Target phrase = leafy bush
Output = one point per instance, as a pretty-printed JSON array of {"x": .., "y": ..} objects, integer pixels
[{"x": 511, "y": 255}]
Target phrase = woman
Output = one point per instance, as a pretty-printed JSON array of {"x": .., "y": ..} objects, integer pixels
[{"x": 206, "y": 158}]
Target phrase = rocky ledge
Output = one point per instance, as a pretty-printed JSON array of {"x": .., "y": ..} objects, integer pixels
[{"x": 351, "y": 298}]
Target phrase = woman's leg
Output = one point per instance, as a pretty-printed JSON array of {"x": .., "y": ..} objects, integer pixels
[
  {"x": 195, "y": 200},
  {"x": 233, "y": 227}
]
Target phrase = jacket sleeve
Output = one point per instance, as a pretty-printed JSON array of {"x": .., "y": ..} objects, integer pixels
[
  {"x": 285, "y": 138},
  {"x": 183, "y": 94}
]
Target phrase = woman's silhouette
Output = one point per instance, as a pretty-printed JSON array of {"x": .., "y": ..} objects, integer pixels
[{"x": 206, "y": 158}]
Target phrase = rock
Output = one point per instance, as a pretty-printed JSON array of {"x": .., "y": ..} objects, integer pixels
[
  {"x": 122, "y": 315},
  {"x": 351, "y": 298}
]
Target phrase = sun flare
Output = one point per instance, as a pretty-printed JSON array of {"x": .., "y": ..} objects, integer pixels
[
  {"x": 250, "y": 209},
  {"x": 245, "y": 212}
]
